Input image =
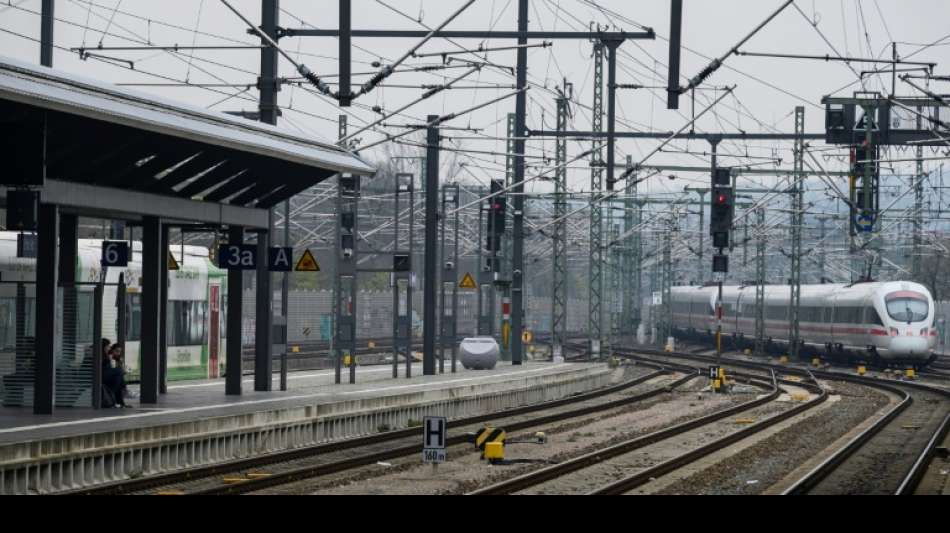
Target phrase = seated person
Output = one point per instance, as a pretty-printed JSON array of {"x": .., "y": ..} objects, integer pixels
[{"x": 113, "y": 378}]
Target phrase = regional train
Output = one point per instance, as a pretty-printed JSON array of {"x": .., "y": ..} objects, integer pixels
[
  {"x": 195, "y": 317},
  {"x": 889, "y": 323}
]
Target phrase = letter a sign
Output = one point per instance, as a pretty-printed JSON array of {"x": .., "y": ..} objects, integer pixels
[{"x": 280, "y": 259}]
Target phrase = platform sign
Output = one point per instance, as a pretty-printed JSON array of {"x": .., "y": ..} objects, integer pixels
[
  {"x": 237, "y": 256},
  {"x": 115, "y": 253},
  {"x": 434, "y": 436},
  {"x": 280, "y": 259},
  {"x": 713, "y": 372}
]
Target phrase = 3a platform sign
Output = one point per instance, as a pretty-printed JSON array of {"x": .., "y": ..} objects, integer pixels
[
  {"x": 434, "y": 437},
  {"x": 237, "y": 256}
]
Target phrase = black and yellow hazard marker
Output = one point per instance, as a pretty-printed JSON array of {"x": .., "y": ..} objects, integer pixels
[{"x": 489, "y": 434}]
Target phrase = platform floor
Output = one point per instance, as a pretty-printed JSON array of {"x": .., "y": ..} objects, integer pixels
[{"x": 187, "y": 401}]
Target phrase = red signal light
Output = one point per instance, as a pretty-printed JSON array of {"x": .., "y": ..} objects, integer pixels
[{"x": 721, "y": 199}]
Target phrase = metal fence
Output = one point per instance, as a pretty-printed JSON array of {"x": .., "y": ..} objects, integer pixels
[{"x": 311, "y": 315}]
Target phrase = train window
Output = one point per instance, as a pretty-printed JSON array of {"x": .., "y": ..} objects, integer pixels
[
  {"x": 133, "y": 311},
  {"x": 187, "y": 322},
  {"x": 907, "y": 306},
  {"x": 84, "y": 318},
  {"x": 873, "y": 317}
]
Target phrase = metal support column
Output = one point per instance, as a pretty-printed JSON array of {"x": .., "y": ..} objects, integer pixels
[
  {"x": 449, "y": 287},
  {"x": 431, "y": 237},
  {"x": 667, "y": 275},
  {"x": 507, "y": 247},
  {"x": 760, "y": 282},
  {"x": 596, "y": 290},
  {"x": 822, "y": 260},
  {"x": 518, "y": 263},
  {"x": 263, "y": 316},
  {"x": 163, "y": 314},
  {"x": 486, "y": 275},
  {"x": 235, "y": 304},
  {"x": 346, "y": 285},
  {"x": 152, "y": 259},
  {"x": 346, "y": 64},
  {"x": 702, "y": 239},
  {"x": 402, "y": 276},
  {"x": 918, "y": 217},
  {"x": 47, "y": 260},
  {"x": 798, "y": 222},
  {"x": 47, "y": 21},
  {"x": 559, "y": 244},
  {"x": 285, "y": 299}
]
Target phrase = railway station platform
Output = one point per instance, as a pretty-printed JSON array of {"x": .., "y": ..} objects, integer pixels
[{"x": 194, "y": 424}]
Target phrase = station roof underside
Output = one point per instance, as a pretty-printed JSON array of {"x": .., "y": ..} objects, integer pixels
[{"x": 103, "y": 139}]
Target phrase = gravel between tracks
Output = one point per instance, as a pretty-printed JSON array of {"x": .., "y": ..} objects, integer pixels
[
  {"x": 768, "y": 461},
  {"x": 465, "y": 471}
]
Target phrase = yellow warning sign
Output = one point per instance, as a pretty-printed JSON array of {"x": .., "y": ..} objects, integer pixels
[
  {"x": 172, "y": 264},
  {"x": 527, "y": 337},
  {"x": 307, "y": 263},
  {"x": 468, "y": 282}
]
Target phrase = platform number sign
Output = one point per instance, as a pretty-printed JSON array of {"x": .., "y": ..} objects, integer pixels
[
  {"x": 237, "y": 256},
  {"x": 433, "y": 439},
  {"x": 115, "y": 253}
]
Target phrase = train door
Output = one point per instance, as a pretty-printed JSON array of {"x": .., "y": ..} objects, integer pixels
[{"x": 214, "y": 332}]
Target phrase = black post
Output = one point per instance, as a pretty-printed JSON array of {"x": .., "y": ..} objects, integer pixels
[
  {"x": 432, "y": 236},
  {"x": 676, "y": 33},
  {"x": 152, "y": 260},
  {"x": 235, "y": 345},
  {"x": 521, "y": 110},
  {"x": 270, "y": 86},
  {"x": 163, "y": 315},
  {"x": 268, "y": 83},
  {"x": 612, "y": 47},
  {"x": 345, "y": 50},
  {"x": 264, "y": 317},
  {"x": 44, "y": 379},
  {"x": 285, "y": 300},
  {"x": 97, "y": 376},
  {"x": 48, "y": 16}
]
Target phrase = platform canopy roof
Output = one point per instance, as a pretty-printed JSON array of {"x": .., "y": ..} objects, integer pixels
[{"x": 98, "y": 139}]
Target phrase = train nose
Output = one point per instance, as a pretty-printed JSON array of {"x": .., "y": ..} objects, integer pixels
[{"x": 910, "y": 346}]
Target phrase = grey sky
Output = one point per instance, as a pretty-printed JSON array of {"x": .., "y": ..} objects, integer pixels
[{"x": 854, "y": 28}]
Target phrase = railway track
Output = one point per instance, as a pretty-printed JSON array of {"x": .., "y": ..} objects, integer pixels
[
  {"x": 244, "y": 476},
  {"x": 876, "y": 461},
  {"x": 579, "y": 465}
]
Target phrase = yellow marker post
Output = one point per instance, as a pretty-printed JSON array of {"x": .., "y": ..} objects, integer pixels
[
  {"x": 911, "y": 373},
  {"x": 862, "y": 370}
]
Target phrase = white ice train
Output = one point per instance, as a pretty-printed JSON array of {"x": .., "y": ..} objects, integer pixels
[
  {"x": 195, "y": 318},
  {"x": 884, "y": 322}
]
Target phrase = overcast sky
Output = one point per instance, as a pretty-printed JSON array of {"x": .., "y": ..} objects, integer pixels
[{"x": 767, "y": 89}]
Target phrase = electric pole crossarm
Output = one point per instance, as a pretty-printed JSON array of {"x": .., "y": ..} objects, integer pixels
[{"x": 476, "y": 34}]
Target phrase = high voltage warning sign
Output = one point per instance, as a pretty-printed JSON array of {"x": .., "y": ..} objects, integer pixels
[
  {"x": 307, "y": 263},
  {"x": 468, "y": 282},
  {"x": 172, "y": 264}
]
